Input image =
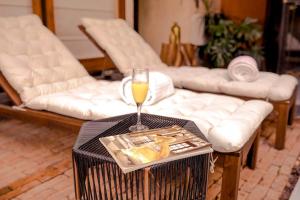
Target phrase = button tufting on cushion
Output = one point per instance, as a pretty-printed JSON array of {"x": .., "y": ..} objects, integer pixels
[
  {"x": 268, "y": 86},
  {"x": 126, "y": 47},
  {"x": 227, "y": 122},
  {"x": 123, "y": 45},
  {"x": 29, "y": 51},
  {"x": 48, "y": 77}
]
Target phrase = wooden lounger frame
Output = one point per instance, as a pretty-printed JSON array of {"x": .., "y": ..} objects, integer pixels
[
  {"x": 231, "y": 162},
  {"x": 41, "y": 117},
  {"x": 285, "y": 110}
]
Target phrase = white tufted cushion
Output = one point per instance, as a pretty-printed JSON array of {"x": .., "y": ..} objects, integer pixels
[
  {"x": 34, "y": 61},
  {"x": 180, "y": 74},
  {"x": 122, "y": 44},
  {"x": 268, "y": 86},
  {"x": 125, "y": 46},
  {"x": 48, "y": 77},
  {"x": 281, "y": 89},
  {"x": 227, "y": 122}
]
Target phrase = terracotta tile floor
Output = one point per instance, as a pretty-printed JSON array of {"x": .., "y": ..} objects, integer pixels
[{"x": 35, "y": 163}]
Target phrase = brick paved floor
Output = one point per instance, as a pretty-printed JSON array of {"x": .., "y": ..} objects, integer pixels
[{"x": 36, "y": 164}]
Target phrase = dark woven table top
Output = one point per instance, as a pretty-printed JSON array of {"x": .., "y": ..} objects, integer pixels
[{"x": 88, "y": 143}]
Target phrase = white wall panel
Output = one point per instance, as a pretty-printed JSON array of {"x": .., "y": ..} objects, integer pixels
[
  {"x": 104, "y": 5},
  {"x": 67, "y": 18},
  {"x": 15, "y": 7},
  {"x": 129, "y": 12},
  {"x": 161, "y": 15}
]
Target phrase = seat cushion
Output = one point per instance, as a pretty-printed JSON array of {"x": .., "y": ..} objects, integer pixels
[
  {"x": 180, "y": 74},
  {"x": 268, "y": 86},
  {"x": 227, "y": 122},
  {"x": 34, "y": 61}
]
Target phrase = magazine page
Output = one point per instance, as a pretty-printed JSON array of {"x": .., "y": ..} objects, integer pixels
[{"x": 137, "y": 150}]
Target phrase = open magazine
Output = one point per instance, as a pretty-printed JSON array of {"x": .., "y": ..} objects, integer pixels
[{"x": 137, "y": 150}]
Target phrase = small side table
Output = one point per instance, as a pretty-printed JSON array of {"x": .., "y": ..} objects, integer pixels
[{"x": 97, "y": 176}]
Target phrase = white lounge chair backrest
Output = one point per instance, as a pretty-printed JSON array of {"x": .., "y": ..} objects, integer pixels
[
  {"x": 125, "y": 47},
  {"x": 34, "y": 61}
]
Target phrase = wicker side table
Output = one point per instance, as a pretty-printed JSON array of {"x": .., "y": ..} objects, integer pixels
[{"x": 97, "y": 176}]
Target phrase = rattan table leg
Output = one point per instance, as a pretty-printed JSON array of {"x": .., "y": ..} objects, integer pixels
[
  {"x": 283, "y": 113},
  {"x": 146, "y": 183},
  {"x": 76, "y": 180}
]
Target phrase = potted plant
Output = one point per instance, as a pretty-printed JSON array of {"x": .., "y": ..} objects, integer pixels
[{"x": 227, "y": 39}]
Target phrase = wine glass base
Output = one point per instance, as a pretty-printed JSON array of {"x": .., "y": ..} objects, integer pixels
[{"x": 137, "y": 127}]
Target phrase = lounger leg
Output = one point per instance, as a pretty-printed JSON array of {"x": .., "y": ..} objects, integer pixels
[
  {"x": 293, "y": 108},
  {"x": 292, "y": 114},
  {"x": 231, "y": 176},
  {"x": 252, "y": 155},
  {"x": 283, "y": 112}
]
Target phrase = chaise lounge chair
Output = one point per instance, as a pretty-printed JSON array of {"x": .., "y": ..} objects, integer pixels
[
  {"x": 125, "y": 47},
  {"x": 45, "y": 82}
]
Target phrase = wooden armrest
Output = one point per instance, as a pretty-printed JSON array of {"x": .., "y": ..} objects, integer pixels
[{"x": 10, "y": 91}]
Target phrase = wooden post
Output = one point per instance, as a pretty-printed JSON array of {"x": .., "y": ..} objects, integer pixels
[
  {"x": 283, "y": 113},
  {"x": 293, "y": 107},
  {"x": 292, "y": 114},
  {"x": 231, "y": 177},
  {"x": 252, "y": 155},
  {"x": 146, "y": 183},
  {"x": 121, "y": 9},
  {"x": 37, "y": 8},
  {"x": 49, "y": 15},
  {"x": 10, "y": 91}
]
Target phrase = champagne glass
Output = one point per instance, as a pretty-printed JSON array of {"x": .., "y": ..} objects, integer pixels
[{"x": 139, "y": 87}]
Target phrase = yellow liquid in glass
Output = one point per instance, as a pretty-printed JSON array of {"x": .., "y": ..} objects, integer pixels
[{"x": 139, "y": 91}]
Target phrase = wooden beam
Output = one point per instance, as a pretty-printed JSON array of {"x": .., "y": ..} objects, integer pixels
[
  {"x": 97, "y": 64},
  {"x": 41, "y": 117},
  {"x": 231, "y": 177},
  {"x": 37, "y": 8},
  {"x": 10, "y": 91},
  {"x": 253, "y": 152},
  {"x": 238, "y": 10},
  {"x": 121, "y": 9},
  {"x": 49, "y": 14},
  {"x": 231, "y": 162},
  {"x": 136, "y": 15}
]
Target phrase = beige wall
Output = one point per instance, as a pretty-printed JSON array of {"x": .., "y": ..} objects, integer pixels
[
  {"x": 67, "y": 18},
  {"x": 157, "y": 16},
  {"x": 129, "y": 4},
  {"x": 15, "y": 7}
]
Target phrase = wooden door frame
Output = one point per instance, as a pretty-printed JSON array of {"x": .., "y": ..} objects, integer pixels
[
  {"x": 48, "y": 12},
  {"x": 121, "y": 9},
  {"x": 121, "y": 12},
  {"x": 136, "y": 15},
  {"x": 45, "y": 10},
  {"x": 37, "y": 8}
]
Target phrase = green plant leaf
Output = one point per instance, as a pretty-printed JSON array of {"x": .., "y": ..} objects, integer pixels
[{"x": 228, "y": 39}]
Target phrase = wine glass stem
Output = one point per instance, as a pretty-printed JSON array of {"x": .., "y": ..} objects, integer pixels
[{"x": 139, "y": 107}]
